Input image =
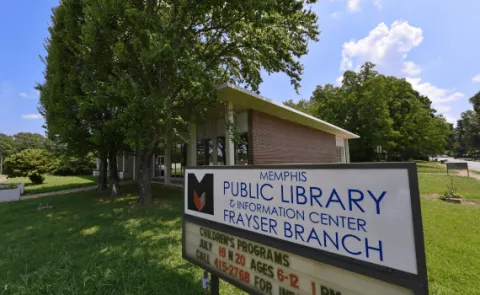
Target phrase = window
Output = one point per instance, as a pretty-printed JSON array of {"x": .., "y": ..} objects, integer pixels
[
  {"x": 341, "y": 154},
  {"x": 222, "y": 159},
  {"x": 241, "y": 157},
  {"x": 340, "y": 142},
  {"x": 203, "y": 152}
]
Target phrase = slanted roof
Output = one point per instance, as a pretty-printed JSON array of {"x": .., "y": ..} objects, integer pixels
[{"x": 244, "y": 98}]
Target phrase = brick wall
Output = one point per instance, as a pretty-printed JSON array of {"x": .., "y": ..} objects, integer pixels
[{"x": 275, "y": 141}]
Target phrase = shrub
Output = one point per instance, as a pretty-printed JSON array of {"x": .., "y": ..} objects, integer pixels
[
  {"x": 36, "y": 177},
  {"x": 452, "y": 191},
  {"x": 28, "y": 162}
]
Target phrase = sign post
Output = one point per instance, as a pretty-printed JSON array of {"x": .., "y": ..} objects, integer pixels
[{"x": 315, "y": 229}]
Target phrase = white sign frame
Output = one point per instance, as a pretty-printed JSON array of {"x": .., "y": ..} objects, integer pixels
[{"x": 417, "y": 282}]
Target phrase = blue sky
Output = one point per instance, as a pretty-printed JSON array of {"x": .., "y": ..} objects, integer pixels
[{"x": 434, "y": 44}]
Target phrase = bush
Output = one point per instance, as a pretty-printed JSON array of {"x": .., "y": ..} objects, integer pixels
[
  {"x": 35, "y": 177},
  {"x": 28, "y": 162},
  {"x": 452, "y": 191}
]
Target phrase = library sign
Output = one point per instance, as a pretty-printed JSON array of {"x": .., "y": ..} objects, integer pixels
[{"x": 317, "y": 229}]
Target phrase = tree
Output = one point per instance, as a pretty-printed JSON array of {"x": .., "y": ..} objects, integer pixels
[
  {"x": 384, "y": 111},
  {"x": 475, "y": 101},
  {"x": 161, "y": 61},
  {"x": 28, "y": 140},
  {"x": 451, "y": 142},
  {"x": 72, "y": 116},
  {"x": 302, "y": 105},
  {"x": 32, "y": 163},
  {"x": 468, "y": 133},
  {"x": 6, "y": 149},
  {"x": 460, "y": 148}
]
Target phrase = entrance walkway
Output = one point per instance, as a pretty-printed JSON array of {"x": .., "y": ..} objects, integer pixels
[
  {"x": 68, "y": 191},
  {"x": 173, "y": 181}
]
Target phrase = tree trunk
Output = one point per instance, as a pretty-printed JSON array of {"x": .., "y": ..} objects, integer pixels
[
  {"x": 102, "y": 177},
  {"x": 114, "y": 180},
  {"x": 145, "y": 178}
]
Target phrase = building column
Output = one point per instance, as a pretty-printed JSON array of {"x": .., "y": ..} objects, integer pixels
[
  {"x": 214, "y": 143},
  {"x": 192, "y": 146},
  {"x": 153, "y": 165},
  {"x": 229, "y": 145},
  {"x": 168, "y": 162},
  {"x": 347, "y": 151}
]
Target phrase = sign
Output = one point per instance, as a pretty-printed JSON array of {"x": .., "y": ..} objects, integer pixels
[
  {"x": 458, "y": 166},
  {"x": 273, "y": 271},
  {"x": 363, "y": 218},
  {"x": 379, "y": 149}
]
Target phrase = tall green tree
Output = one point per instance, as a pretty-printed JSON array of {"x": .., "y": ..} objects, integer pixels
[
  {"x": 468, "y": 131},
  {"x": 384, "y": 111},
  {"x": 168, "y": 57},
  {"x": 451, "y": 145},
  {"x": 460, "y": 148},
  {"x": 73, "y": 100}
]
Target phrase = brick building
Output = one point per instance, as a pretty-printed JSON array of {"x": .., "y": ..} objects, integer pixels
[{"x": 267, "y": 132}]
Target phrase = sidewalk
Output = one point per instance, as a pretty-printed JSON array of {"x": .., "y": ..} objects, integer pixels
[{"x": 67, "y": 191}]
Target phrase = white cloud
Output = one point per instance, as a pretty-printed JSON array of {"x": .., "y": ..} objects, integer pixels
[
  {"x": 31, "y": 116},
  {"x": 436, "y": 95},
  {"x": 353, "y": 5},
  {"x": 443, "y": 108},
  {"x": 476, "y": 79},
  {"x": 35, "y": 94},
  {"x": 451, "y": 119},
  {"x": 339, "y": 80},
  {"x": 412, "y": 69},
  {"x": 386, "y": 47},
  {"x": 441, "y": 98},
  {"x": 335, "y": 15},
  {"x": 378, "y": 3}
]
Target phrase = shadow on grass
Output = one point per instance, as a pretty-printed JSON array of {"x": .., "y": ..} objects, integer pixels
[{"x": 91, "y": 244}]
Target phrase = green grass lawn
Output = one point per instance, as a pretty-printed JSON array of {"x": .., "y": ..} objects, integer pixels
[
  {"x": 430, "y": 167},
  {"x": 469, "y": 188},
  {"x": 93, "y": 245},
  {"x": 54, "y": 183},
  {"x": 90, "y": 244},
  {"x": 452, "y": 239}
]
